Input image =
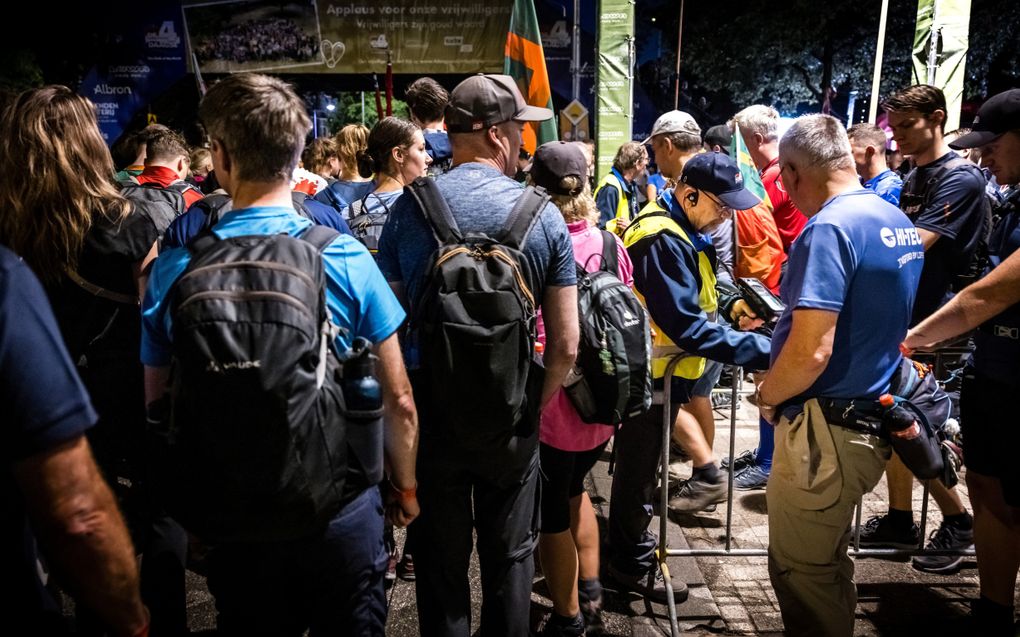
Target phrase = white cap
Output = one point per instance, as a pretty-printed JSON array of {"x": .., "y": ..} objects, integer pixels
[{"x": 674, "y": 122}]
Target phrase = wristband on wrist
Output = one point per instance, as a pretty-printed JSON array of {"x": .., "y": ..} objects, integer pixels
[{"x": 404, "y": 494}]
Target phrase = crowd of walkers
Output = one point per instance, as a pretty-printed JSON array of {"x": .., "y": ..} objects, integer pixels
[{"x": 256, "y": 357}]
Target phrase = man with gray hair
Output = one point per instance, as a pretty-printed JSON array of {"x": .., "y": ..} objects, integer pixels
[
  {"x": 759, "y": 126},
  {"x": 848, "y": 290}
]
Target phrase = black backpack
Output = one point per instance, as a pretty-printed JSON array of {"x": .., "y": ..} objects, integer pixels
[
  {"x": 216, "y": 205},
  {"x": 475, "y": 323},
  {"x": 612, "y": 379},
  {"x": 163, "y": 204},
  {"x": 255, "y": 447},
  {"x": 367, "y": 226}
]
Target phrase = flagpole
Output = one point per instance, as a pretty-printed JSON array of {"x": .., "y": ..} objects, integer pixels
[
  {"x": 877, "y": 77},
  {"x": 679, "y": 36}
]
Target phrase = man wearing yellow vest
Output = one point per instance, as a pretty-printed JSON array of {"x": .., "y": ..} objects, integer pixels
[
  {"x": 675, "y": 275},
  {"x": 616, "y": 197}
]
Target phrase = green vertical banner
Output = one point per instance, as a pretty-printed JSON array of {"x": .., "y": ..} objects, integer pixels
[
  {"x": 524, "y": 60},
  {"x": 941, "y": 39},
  {"x": 613, "y": 81}
]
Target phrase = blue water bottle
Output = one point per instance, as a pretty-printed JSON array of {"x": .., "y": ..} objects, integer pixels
[{"x": 363, "y": 397}]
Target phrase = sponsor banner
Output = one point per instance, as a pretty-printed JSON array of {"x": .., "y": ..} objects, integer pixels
[
  {"x": 947, "y": 22},
  {"x": 421, "y": 36},
  {"x": 613, "y": 81},
  {"x": 148, "y": 59}
]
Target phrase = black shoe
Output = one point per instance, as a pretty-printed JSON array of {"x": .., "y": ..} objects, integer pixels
[
  {"x": 946, "y": 537},
  {"x": 878, "y": 532},
  {"x": 649, "y": 585},
  {"x": 557, "y": 626},
  {"x": 696, "y": 495},
  {"x": 743, "y": 461},
  {"x": 591, "y": 612}
]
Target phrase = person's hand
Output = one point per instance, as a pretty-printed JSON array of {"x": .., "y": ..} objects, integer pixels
[
  {"x": 621, "y": 226},
  {"x": 767, "y": 411},
  {"x": 745, "y": 317},
  {"x": 402, "y": 505}
]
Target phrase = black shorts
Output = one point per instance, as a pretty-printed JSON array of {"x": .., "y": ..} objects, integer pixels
[
  {"x": 991, "y": 437},
  {"x": 563, "y": 475}
]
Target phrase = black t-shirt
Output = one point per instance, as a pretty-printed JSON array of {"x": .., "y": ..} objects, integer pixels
[
  {"x": 956, "y": 209},
  {"x": 104, "y": 336},
  {"x": 44, "y": 405}
]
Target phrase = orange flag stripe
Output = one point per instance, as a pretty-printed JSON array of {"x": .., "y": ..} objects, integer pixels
[{"x": 519, "y": 48}]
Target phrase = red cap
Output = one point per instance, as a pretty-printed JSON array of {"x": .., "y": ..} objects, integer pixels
[{"x": 886, "y": 400}]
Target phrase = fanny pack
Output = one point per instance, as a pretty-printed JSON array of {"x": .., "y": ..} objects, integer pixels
[{"x": 911, "y": 418}]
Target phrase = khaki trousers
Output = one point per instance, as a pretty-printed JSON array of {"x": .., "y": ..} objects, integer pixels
[{"x": 819, "y": 472}]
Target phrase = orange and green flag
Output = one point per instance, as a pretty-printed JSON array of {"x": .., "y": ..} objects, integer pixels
[
  {"x": 747, "y": 170},
  {"x": 525, "y": 62}
]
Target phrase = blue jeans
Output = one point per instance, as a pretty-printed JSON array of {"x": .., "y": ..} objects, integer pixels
[{"x": 332, "y": 585}]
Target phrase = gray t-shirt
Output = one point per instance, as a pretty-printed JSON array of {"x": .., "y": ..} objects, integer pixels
[{"x": 480, "y": 198}]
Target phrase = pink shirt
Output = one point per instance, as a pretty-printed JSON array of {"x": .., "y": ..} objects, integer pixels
[{"x": 561, "y": 427}]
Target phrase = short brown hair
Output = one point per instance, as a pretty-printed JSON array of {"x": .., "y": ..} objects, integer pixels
[
  {"x": 923, "y": 98},
  {"x": 389, "y": 133},
  {"x": 318, "y": 153},
  {"x": 426, "y": 99},
  {"x": 684, "y": 142},
  {"x": 865, "y": 134},
  {"x": 166, "y": 145},
  {"x": 630, "y": 155},
  {"x": 260, "y": 121}
]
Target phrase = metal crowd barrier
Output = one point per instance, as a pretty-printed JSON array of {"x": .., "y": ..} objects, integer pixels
[{"x": 663, "y": 551}]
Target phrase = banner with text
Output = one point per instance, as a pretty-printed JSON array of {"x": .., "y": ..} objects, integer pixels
[
  {"x": 943, "y": 24},
  {"x": 613, "y": 81},
  {"x": 147, "y": 61},
  {"x": 420, "y": 36}
]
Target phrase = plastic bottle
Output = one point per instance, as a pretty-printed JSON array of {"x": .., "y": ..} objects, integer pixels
[{"x": 901, "y": 422}]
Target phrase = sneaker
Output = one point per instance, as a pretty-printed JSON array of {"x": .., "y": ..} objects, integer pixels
[
  {"x": 649, "y": 585},
  {"x": 878, "y": 532},
  {"x": 751, "y": 478},
  {"x": 745, "y": 459},
  {"x": 391, "y": 568},
  {"x": 591, "y": 611},
  {"x": 695, "y": 495},
  {"x": 946, "y": 537},
  {"x": 562, "y": 627},
  {"x": 405, "y": 568},
  {"x": 723, "y": 400}
]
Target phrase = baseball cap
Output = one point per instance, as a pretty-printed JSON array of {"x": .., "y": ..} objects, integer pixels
[
  {"x": 556, "y": 160},
  {"x": 719, "y": 175},
  {"x": 674, "y": 122},
  {"x": 482, "y": 101},
  {"x": 1000, "y": 114},
  {"x": 720, "y": 136}
]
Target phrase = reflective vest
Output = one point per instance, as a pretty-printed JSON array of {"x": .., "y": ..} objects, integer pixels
[
  {"x": 652, "y": 221},
  {"x": 622, "y": 204}
]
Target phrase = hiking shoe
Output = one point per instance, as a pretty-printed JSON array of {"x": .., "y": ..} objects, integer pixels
[
  {"x": 693, "y": 495},
  {"x": 946, "y": 537},
  {"x": 744, "y": 460},
  {"x": 878, "y": 532},
  {"x": 405, "y": 568},
  {"x": 591, "y": 611},
  {"x": 751, "y": 478},
  {"x": 649, "y": 585}
]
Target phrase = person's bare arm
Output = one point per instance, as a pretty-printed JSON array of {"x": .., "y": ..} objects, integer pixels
[
  {"x": 157, "y": 381},
  {"x": 928, "y": 238},
  {"x": 401, "y": 433},
  {"x": 559, "y": 311},
  {"x": 79, "y": 528},
  {"x": 804, "y": 357},
  {"x": 140, "y": 269},
  {"x": 970, "y": 308}
]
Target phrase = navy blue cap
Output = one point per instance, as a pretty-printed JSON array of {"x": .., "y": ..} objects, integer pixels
[
  {"x": 999, "y": 115},
  {"x": 556, "y": 160},
  {"x": 718, "y": 174}
]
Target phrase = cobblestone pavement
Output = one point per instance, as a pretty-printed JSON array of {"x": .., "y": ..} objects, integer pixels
[{"x": 729, "y": 594}]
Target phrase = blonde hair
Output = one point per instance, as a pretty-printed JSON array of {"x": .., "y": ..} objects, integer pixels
[
  {"x": 59, "y": 178},
  {"x": 349, "y": 141},
  {"x": 574, "y": 207}
]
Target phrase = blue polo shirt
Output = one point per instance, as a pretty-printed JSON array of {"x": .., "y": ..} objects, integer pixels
[
  {"x": 886, "y": 185},
  {"x": 357, "y": 295},
  {"x": 859, "y": 256}
]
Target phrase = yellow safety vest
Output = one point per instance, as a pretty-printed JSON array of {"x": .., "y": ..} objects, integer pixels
[
  {"x": 654, "y": 220},
  {"x": 622, "y": 204}
]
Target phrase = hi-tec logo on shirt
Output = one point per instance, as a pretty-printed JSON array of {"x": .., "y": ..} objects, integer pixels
[{"x": 900, "y": 237}]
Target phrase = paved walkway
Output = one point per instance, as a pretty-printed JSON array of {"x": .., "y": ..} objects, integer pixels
[{"x": 729, "y": 595}]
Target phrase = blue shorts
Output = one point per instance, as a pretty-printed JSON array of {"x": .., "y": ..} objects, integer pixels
[{"x": 709, "y": 379}]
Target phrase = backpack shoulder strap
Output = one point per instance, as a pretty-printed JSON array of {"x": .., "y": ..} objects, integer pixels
[
  {"x": 381, "y": 201},
  {"x": 609, "y": 259},
  {"x": 298, "y": 198},
  {"x": 212, "y": 206},
  {"x": 437, "y": 212},
  {"x": 522, "y": 217},
  {"x": 202, "y": 241},
  {"x": 319, "y": 236}
]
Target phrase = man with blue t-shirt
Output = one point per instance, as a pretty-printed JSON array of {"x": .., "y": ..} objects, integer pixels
[
  {"x": 849, "y": 289},
  {"x": 493, "y": 492},
  {"x": 867, "y": 142},
  {"x": 333, "y": 581}
]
